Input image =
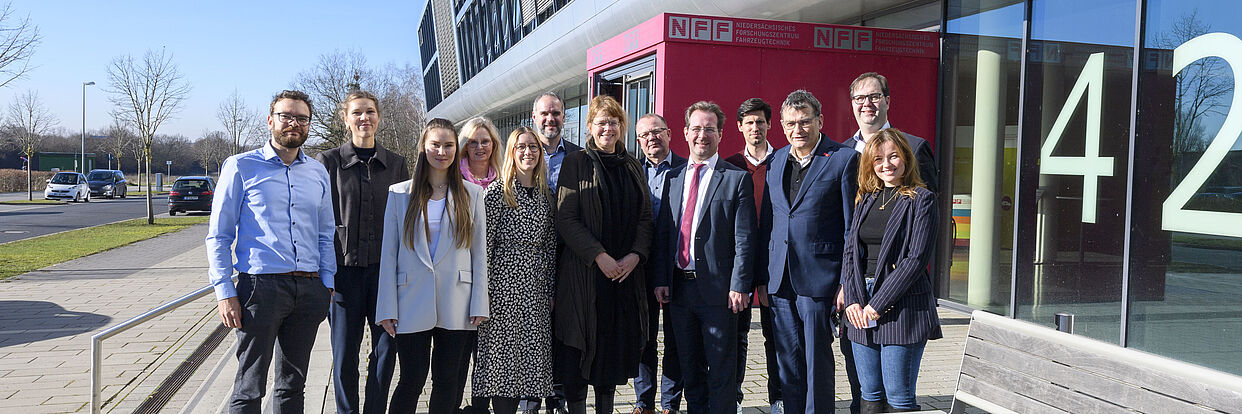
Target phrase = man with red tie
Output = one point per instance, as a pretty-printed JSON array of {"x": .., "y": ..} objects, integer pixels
[{"x": 702, "y": 261}]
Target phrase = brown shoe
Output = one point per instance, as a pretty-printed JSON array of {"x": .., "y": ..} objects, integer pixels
[
  {"x": 667, "y": 411},
  {"x": 641, "y": 410}
]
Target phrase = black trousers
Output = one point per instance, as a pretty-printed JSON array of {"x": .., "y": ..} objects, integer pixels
[
  {"x": 352, "y": 311},
  {"x": 415, "y": 354},
  {"x": 279, "y": 317}
]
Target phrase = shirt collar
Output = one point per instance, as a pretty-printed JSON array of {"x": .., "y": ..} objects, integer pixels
[
  {"x": 754, "y": 161},
  {"x": 667, "y": 161},
  {"x": 710, "y": 162},
  {"x": 269, "y": 154},
  {"x": 560, "y": 147},
  {"x": 350, "y": 154},
  {"x": 858, "y": 134}
]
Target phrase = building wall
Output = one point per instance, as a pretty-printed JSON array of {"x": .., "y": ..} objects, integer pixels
[{"x": 1083, "y": 180}]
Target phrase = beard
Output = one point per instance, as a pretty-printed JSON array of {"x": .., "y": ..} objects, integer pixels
[
  {"x": 543, "y": 130},
  {"x": 287, "y": 141}
]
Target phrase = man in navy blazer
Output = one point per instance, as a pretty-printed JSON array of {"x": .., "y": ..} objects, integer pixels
[
  {"x": 811, "y": 188},
  {"x": 703, "y": 261}
]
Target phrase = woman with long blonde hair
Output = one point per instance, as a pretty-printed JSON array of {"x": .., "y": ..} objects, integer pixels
[
  {"x": 514, "y": 357},
  {"x": 433, "y": 272},
  {"x": 888, "y": 291}
]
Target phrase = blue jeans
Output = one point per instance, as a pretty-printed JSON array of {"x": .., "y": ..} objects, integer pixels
[{"x": 889, "y": 370}]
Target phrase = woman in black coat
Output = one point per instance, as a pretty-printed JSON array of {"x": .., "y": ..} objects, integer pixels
[
  {"x": 604, "y": 216},
  {"x": 888, "y": 291}
]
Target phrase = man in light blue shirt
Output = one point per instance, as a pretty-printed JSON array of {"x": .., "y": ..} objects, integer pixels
[
  {"x": 275, "y": 203},
  {"x": 548, "y": 116}
]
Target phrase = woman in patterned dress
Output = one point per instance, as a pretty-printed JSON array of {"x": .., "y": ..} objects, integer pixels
[{"x": 514, "y": 350}]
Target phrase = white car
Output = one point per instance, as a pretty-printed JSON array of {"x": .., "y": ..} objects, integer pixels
[{"x": 68, "y": 186}]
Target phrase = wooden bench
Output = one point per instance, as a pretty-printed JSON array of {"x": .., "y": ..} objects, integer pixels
[{"x": 1013, "y": 366}]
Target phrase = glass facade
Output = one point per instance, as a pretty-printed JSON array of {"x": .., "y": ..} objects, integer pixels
[{"x": 1096, "y": 169}]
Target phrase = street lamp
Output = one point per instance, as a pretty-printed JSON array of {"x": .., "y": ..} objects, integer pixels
[{"x": 84, "y": 85}]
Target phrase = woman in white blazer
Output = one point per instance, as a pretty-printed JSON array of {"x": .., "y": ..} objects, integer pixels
[{"x": 433, "y": 273}]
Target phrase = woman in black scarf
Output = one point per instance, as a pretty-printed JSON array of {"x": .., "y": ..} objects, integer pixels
[{"x": 604, "y": 216}]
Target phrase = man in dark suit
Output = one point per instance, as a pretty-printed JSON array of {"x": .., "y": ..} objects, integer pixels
[
  {"x": 870, "y": 101},
  {"x": 653, "y": 137},
  {"x": 703, "y": 262},
  {"x": 548, "y": 114},
  {"x": 811, "y": 188}
]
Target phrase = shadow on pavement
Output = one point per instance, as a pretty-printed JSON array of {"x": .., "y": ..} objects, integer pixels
[{"x": 25, "y": 321}]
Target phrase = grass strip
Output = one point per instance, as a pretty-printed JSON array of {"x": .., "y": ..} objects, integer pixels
[
  {"x": 35, "y": 201},
  {"x": 32, "y": 254}
]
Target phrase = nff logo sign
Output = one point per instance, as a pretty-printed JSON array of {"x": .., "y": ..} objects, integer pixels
[
  {"x": 700, "y": 29},
  {"x": 842, "y": 38}
]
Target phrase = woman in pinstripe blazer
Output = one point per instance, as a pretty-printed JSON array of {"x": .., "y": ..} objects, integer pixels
[{"x": 888, "y": 291}]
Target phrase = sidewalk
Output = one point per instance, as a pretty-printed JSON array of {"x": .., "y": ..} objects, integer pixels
[{"x": 48, "y": 316}]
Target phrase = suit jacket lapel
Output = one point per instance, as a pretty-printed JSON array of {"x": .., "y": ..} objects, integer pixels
[
  {"x": 421, "y": 248},
  {"x": 819, "y": 161},
  {"x": 445, "y": 242},
  {"x": 712, "y": 187},
  {"x": 900, "y": 209},
  {"x": 860, "y": 214},
  {"x": 778, "y": 167},
  {"x": 676, "y": 185}
]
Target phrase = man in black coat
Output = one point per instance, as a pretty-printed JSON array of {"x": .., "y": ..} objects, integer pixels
[{"x": 869, "y": 101}]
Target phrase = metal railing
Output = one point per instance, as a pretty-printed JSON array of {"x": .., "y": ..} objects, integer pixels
[{"x": 97, "y": 339}]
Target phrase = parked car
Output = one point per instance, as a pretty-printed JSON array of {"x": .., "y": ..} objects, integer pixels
[
  {"x": 107, "y": 183},
  {"x": 68, "y": 185},
  {"x": 190, "y": 194}
]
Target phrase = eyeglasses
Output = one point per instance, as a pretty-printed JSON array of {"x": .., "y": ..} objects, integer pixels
[
  {"x": 611, "y": 123},
  {"x": 800, "y": 124},
  {"x": 707, "y": 131},
  {"x": 652, "y": 132},
  {"x": 302, "y": 120},
  {"x": 526, "y": 148},
  {"x": 479, "y": 144},
  {"x": 875, "y": 97}
]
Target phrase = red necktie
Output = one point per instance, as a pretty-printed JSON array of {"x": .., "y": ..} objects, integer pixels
[{"x": 687, "y": 220}]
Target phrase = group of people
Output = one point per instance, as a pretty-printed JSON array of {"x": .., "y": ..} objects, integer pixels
[{"x": 538, "y": 268}]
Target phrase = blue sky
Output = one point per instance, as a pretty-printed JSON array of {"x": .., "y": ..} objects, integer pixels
[{"x": 254, "y": 46}]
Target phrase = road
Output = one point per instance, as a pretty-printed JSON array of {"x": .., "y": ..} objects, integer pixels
[{"x": 25, "y": 221}]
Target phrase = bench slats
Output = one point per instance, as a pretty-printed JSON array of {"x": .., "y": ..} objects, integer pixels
[
  {"x": 1004, "y": 398},
  {"x": 1036, "y": 386},
  {"x": 1025, "y": 367}
]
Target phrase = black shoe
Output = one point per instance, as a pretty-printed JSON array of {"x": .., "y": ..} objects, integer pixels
[
  {"x": 892, "y": 409},
  {"x": 872, "y": 407}
]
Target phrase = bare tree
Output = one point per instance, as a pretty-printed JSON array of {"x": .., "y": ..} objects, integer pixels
[
  {"x": 18, "y": 40},
  {"x": 212, "y": 148},
  {"x": 146, "y": 93},
  {"x": 238, "y": 120},
  {"x": 404, "y": 112},
  {"x": 29, "y": 120},
  {"x": 1201, "y": 87},
  {"x": 120, "y": 138},
  {"x": 333, "y": 77}
]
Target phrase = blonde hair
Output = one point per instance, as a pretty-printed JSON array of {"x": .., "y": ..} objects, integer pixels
[
  {"x": 420, "y": 193},
  {"x": 509, "y": 168},
  {"x": 469, "y": 129},
  {"x": 869, "y": 182}
]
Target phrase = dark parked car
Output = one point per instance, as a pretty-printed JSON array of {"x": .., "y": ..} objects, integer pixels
[
  {"x": 190, "y": 194},
  {"x": 107, "y": 183}
]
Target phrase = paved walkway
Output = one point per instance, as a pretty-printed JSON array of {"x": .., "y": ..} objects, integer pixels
[{"x": 48, "y": 316}]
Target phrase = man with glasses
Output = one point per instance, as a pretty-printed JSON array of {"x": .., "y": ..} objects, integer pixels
[
  {"x": 548, "y": 115},
  {"x": 653, "y": 137},
  {"x": 275, "y": 202},
  {"x": 870, "y": 101},
  {"x": 703, "y": 263},
  {"x": 754, "y": 118},
  {"x": 811, "y": 189}
]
